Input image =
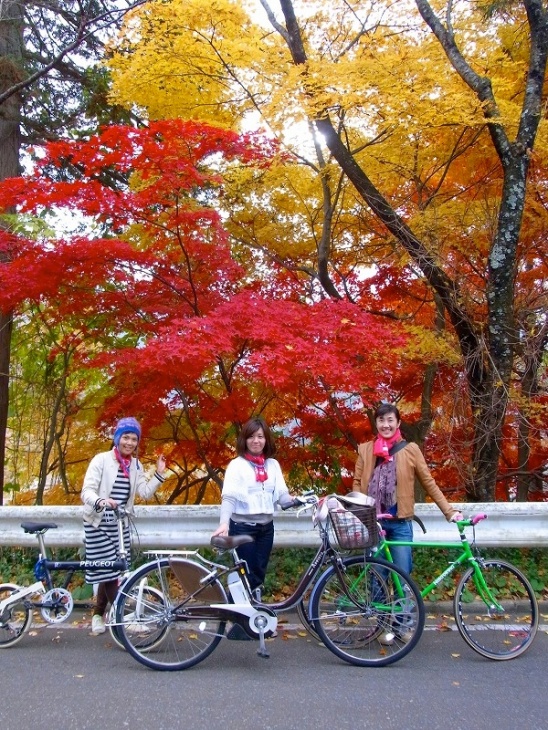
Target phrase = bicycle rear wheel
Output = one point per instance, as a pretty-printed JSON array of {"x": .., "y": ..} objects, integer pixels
[
  {"x": 502, "y": 628},
  {"x": 354, "y": 607},
  {"x": 15, "y": 619},
  {"x": 173, "y": 626}
]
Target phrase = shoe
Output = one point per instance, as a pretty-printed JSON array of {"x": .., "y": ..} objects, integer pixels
[
  {"x": 97, "y": 625},
  {"x": 405, "y": 636},
  {"x": 387, "y": 638},
  {"x": 236, "y": 633}
]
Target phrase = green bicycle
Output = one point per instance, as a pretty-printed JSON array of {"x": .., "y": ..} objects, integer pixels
[{"x": 495, "y": 607}]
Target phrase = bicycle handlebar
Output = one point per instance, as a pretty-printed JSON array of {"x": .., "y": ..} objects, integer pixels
[
  {"x": 306, "y": 500},
  {"x": 477, "y": 518},
  {"x": 469, "y": 522}
]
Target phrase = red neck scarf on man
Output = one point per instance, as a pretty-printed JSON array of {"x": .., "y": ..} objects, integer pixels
[
  {"x": 124, "y": 461},
  {"x": 382, "y": 446},
  {"x": 258, "y": 462}
]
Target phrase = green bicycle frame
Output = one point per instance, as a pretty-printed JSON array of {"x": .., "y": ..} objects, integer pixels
[{"x": 466, "y": 557}]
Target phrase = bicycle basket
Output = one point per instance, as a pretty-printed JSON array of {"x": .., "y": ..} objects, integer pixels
[
  {"x": 368, "y": 516},
  {"x": 348, "y": 531}
]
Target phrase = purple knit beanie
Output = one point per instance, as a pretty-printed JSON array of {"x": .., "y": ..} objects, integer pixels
[{"x": 126, "y": 425}]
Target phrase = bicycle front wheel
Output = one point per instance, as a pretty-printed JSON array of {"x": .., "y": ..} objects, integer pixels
[
  {"x": 15, "y": 620},
  {"x": 303, "y": 612},
  {"x": 163, "y": 614},
  {"x": 499, "y": 620},
  {"x": 367, "y": 611}
]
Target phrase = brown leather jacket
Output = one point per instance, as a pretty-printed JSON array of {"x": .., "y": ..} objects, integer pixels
[{"x": 410, "y": 464}]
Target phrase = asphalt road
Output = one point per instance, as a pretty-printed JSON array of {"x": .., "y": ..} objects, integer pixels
[{"x": 64, "y": 677}]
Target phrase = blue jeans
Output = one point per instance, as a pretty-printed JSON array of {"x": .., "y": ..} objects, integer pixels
[
  {"x": 400, "y": 530},
  {"x": 257, "y": 553}
]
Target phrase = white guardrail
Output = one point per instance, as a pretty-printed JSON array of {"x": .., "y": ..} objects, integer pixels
[{"x": 515, "y": 524}]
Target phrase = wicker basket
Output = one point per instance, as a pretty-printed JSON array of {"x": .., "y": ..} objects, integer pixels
[
  {"x": 349, "y": 532},
  {"x": 368, "y": 516}
]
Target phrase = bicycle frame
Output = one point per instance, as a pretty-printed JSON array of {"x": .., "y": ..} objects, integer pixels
[{"x": 466, "y": 557}]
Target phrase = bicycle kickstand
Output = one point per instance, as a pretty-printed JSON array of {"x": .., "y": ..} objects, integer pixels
[{"x": 261, "y": 625}]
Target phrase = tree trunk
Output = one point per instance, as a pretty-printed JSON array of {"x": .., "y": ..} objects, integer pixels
[
  {"x": 54, "y": 431},
  {"x": 10, "y": 143}
]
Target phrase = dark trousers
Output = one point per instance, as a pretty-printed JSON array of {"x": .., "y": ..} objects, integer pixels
[
  {"x": 256, "y": 553},
  {"x": 106, "y": 593}
]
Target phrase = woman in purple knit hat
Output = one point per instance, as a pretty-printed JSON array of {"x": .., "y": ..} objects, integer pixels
[{"x": 113, "y": 478}]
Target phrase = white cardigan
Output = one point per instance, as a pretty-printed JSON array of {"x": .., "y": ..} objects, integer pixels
[
  {"x": 243, "y": 496},
  {"x": 99, "y": 480}
]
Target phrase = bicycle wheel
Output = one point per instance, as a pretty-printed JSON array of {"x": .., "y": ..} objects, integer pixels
[
  {"x": 15, "y": 620},
  {"x": 150, "y": 594},
  {"x": 501, "y": 630},
  {"x": 354, "y": 608},
  {"x": 173, "y": 626}
]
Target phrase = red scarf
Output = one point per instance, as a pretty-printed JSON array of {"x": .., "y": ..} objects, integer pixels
[
  {"x": 124, "y": 461},
  {"x": 258, "y": 462},
  {"x": 382, "y": 447}
]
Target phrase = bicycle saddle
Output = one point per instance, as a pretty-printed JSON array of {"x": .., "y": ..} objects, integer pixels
[
  {"x": 229, "y": 543},
  {"x": 34, "y": 527}
]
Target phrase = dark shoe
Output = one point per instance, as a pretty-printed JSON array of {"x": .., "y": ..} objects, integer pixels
[{"x": 236, "y": 633}]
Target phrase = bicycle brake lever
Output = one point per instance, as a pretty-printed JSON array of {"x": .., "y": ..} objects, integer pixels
[{"x": 304, "y": 508}]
